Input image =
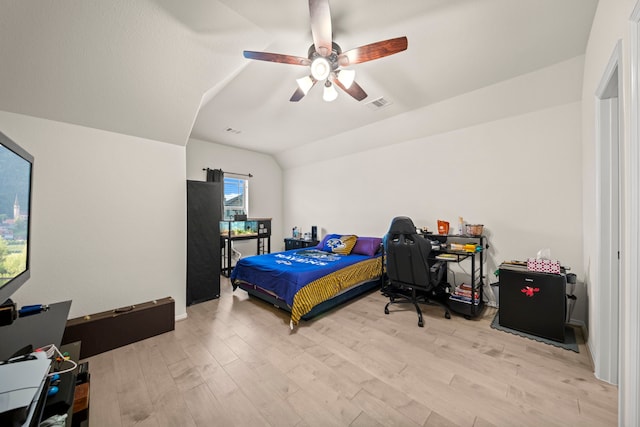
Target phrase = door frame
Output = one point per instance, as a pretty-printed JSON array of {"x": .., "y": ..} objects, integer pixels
[
  {"x": 609, "y": 132},
  {"x": 629, "y": 388}
]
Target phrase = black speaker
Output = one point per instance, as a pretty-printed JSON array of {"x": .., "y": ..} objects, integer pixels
[{"x": 314, "y": 232}]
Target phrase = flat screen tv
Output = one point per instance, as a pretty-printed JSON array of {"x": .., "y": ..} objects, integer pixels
[{"x": 16, "y": 166}]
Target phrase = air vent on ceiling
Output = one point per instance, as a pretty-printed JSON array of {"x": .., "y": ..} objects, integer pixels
[
  {"x": 378, "y": 103},
  {"x": 232, "y": 130}
]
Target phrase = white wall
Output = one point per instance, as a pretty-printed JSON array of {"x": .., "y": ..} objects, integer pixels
[
  {"x": 610, "y": 25},
  {"x": 265, "y": 188},
  {"x": 519, "y": 175},
  {"x": 109, "y": 217}
]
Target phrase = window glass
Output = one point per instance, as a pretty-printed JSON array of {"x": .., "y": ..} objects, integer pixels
[{"x": 236, "y": 198}]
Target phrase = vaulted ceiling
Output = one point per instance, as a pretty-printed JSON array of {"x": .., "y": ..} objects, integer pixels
[{"x": 168, "y": 70}]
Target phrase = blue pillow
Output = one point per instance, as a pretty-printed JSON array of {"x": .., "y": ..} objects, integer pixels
[{"x": 338, "y": 243}]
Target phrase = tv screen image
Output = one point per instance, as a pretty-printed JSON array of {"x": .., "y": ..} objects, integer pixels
[{"x": 15, "y": 216}]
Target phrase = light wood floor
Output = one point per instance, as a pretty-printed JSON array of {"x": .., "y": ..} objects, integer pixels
[{"x": 234, "y": 362}]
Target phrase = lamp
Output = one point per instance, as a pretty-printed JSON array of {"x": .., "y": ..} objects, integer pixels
[
  {"x": 347, "y": 77},
  {"x": 305, "y": 84},
  {"x": 330, "y": 93},
  {"x": 320, "y": 68}
]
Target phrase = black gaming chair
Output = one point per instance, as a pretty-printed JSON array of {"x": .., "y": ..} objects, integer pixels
[{"x": 411, "y": 278}]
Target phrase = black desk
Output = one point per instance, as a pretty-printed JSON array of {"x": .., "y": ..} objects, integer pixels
[
  {"x": 37, "y": 330},
  {"x": 226, "y": 244},
  {"x": 249, "y": 229},
  {"x": 468, "y": 308}
]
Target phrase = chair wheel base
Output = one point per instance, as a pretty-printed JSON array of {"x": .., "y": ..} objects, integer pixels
[
  {"x": 447, "y": 315},
  {"x": 421, "y": 323},
  {"x": 386, "y": 310}
]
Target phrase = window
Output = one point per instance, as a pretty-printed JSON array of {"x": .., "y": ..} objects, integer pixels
[{"x": 236, "y": 197}]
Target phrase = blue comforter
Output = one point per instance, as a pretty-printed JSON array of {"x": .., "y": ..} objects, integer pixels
[{"x": 285, "y": 273}]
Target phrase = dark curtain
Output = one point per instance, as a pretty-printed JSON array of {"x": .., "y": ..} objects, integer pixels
[{"x": 217, "y": 175}]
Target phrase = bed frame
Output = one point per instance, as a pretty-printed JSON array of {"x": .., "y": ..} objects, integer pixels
[{"x": 342, "y": 298}]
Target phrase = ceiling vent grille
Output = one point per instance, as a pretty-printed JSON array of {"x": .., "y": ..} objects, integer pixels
[{"x": 378, "y": 103}]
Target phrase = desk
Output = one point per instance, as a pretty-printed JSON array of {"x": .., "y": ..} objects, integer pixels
[
  {"x": 467, "y": 307},
  {"x": 258, "y": 229},
  {"x": 37, "y": 330}
]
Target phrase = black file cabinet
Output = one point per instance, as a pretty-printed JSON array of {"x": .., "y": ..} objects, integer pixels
[
  {"x": 533, "y": 302},
  {"x": 291, "y": 243}
]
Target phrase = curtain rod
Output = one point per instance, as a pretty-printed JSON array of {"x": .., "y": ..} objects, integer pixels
[{"x": 234, "y": 173}]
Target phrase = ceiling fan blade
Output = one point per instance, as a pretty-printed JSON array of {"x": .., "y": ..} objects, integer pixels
[
  {"x": 321, "y": 26},
  {"x": 297, "y": 95},
  {"x": 372, "y": 51},
  {"x": 276, "y": 57},
  {"x": 300, "y": 92},
  {"x": 354, "y": 90}
]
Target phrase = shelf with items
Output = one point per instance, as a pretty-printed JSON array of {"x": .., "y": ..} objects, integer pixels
[
  {"x": 461, "y": 301},
  {"x": 466, "y": 298},
  {"x": 249, "y": 229},
  {"x": 465, "y": 293},
  {"x": 450, "y": 256}
]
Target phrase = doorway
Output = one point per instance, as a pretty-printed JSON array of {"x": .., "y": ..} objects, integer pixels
[{"x": 608, "y": 200}]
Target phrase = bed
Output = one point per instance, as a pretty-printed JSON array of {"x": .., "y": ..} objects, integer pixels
[{"x": 309, "y": 281}]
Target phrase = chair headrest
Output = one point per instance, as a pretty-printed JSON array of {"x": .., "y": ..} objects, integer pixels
[{"x": 402, "y": 225}]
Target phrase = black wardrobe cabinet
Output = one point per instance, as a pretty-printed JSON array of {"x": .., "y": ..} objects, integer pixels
[{"x": 204, "y": 212}]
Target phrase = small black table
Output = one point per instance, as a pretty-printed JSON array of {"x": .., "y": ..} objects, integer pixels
[{"x": 295, "y": 243}]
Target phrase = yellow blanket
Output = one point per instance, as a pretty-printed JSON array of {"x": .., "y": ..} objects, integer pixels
[{"x": 328, "y": 286}]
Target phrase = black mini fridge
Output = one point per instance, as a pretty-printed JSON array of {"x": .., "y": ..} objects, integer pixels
[{"x": 532, "y": 302}]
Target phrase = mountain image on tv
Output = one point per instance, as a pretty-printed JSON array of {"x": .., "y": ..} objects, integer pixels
[{"x": 14, "y": 211}]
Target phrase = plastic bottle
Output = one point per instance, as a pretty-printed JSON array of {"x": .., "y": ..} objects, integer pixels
[{"x": 460, "y": 225}]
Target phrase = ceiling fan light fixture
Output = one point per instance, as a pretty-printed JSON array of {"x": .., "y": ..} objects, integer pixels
[
  {"x": 325, "y": 58},
  {"x": 347, "y": 77},
  {"x": 305, "y": 84},
  {"x": 320, "y": 68},
  {"x": 330, "y": 93}
]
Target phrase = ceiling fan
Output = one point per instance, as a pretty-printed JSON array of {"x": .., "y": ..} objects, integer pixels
[{"x": 326, "y": 59}]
